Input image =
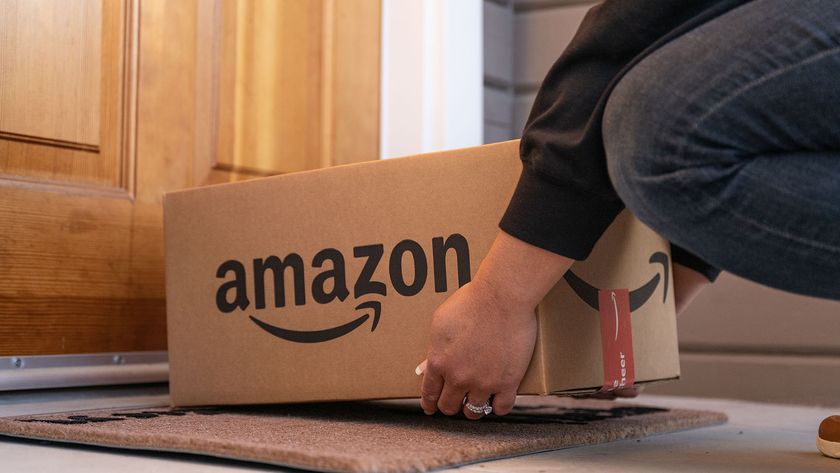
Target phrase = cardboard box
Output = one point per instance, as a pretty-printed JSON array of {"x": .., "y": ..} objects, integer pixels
[{"x": 367, "y": 252}]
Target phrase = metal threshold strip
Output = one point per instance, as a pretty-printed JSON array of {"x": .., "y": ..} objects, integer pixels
[{"x": 94, "y": 369}]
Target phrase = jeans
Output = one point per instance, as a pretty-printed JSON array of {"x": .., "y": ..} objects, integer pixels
[{"x": 726, "y": 141}]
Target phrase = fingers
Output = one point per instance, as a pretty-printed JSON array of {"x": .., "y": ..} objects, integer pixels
[
  {"x": 430, "y": 390},
  {"x": 476, "y": 398},
  {"x": 451, "y": 399},
  {"x": 503, "y": 402},
  {"x": 438, "y": 394}
]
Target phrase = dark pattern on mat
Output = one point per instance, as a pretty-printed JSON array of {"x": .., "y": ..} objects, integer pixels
[
  {"x": 359, "y": 436},
  {"x": 85, "y": 419},
  {"x": 522, "y": 414}
]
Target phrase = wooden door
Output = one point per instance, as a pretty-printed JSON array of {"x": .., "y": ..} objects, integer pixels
[{"x": 106, "y": 105}]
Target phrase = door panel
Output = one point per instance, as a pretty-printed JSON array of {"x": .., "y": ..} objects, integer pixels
[
  {"x": 80, "y": 249},
  {"x": 120, "y": 101},
  {"x": 41, "y": 44},
  {"x": 276, "y": 63},
  {"x": 65, "y": 69},
  {"x": 299, "y": 84}
]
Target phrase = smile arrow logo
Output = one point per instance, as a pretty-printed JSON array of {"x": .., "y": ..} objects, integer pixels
[
  {"x": 317, "y": 336},
  {"x": 589, "y": 293}
]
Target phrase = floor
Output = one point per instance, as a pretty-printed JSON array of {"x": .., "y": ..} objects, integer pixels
[{"x": 758, "y": 437}]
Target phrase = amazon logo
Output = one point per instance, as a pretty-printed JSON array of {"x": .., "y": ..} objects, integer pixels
[
  {"x": 330, "y": 282},
  {"x": 589, "y": 293},
  {"x": 615, "y": 307}
]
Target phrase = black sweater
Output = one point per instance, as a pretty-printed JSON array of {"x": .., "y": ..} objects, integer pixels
[{"x": 564, "y": 200}]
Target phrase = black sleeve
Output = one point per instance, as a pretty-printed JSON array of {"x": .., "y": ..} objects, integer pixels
[
  {"x": 564, "y": 200},
  {"x": 690, "y": 260}
]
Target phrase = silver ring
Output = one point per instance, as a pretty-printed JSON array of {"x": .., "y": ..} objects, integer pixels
[{"x": 482, "y": 409}]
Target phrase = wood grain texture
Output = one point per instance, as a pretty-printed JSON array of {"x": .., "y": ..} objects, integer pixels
[
  {"x": 352, "y": 105},
  {"x": 81, "y": 256},
  {"x": 299, "y": 85},
  {"x": 81, "y": 240},
  {"x": 277, "y": 73},
  {"x": 42, "y": 326},
  {"x": 50, "y": 69},
  {"x": 166, "y": 114},
  {"x": 80, "y": 274},
  {"x": 64, "y": 109}
]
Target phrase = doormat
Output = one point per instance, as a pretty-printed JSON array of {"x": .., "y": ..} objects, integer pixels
[{"x": 384, "y": 436}]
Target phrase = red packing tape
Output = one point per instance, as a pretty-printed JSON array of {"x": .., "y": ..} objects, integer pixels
[{"x": 616, "y": 339}]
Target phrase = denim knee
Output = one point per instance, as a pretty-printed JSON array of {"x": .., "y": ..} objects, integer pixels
[
  {"x": 657, "y": 160},
  {"x": 639, "y": 134},
  {"x": 622, "y": 120}
]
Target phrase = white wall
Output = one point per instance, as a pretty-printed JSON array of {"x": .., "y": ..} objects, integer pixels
[{"x": 432, "y": 73}]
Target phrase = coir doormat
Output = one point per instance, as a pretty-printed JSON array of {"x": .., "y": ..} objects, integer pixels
[{"x": 359, "y": 436}]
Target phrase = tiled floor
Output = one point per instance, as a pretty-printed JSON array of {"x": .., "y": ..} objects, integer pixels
[{"x": 758, "y": 437}]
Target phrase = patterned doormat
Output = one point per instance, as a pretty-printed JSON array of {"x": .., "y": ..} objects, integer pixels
[{"x": 392, "y": 436}]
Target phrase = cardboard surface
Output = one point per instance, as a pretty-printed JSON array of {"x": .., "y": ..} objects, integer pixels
[{"x": 367, "y": 252}]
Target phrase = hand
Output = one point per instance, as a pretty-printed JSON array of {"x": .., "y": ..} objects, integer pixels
[
  {"x": 483, "y": 336},
  {"x": 480, "y": 346}
]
